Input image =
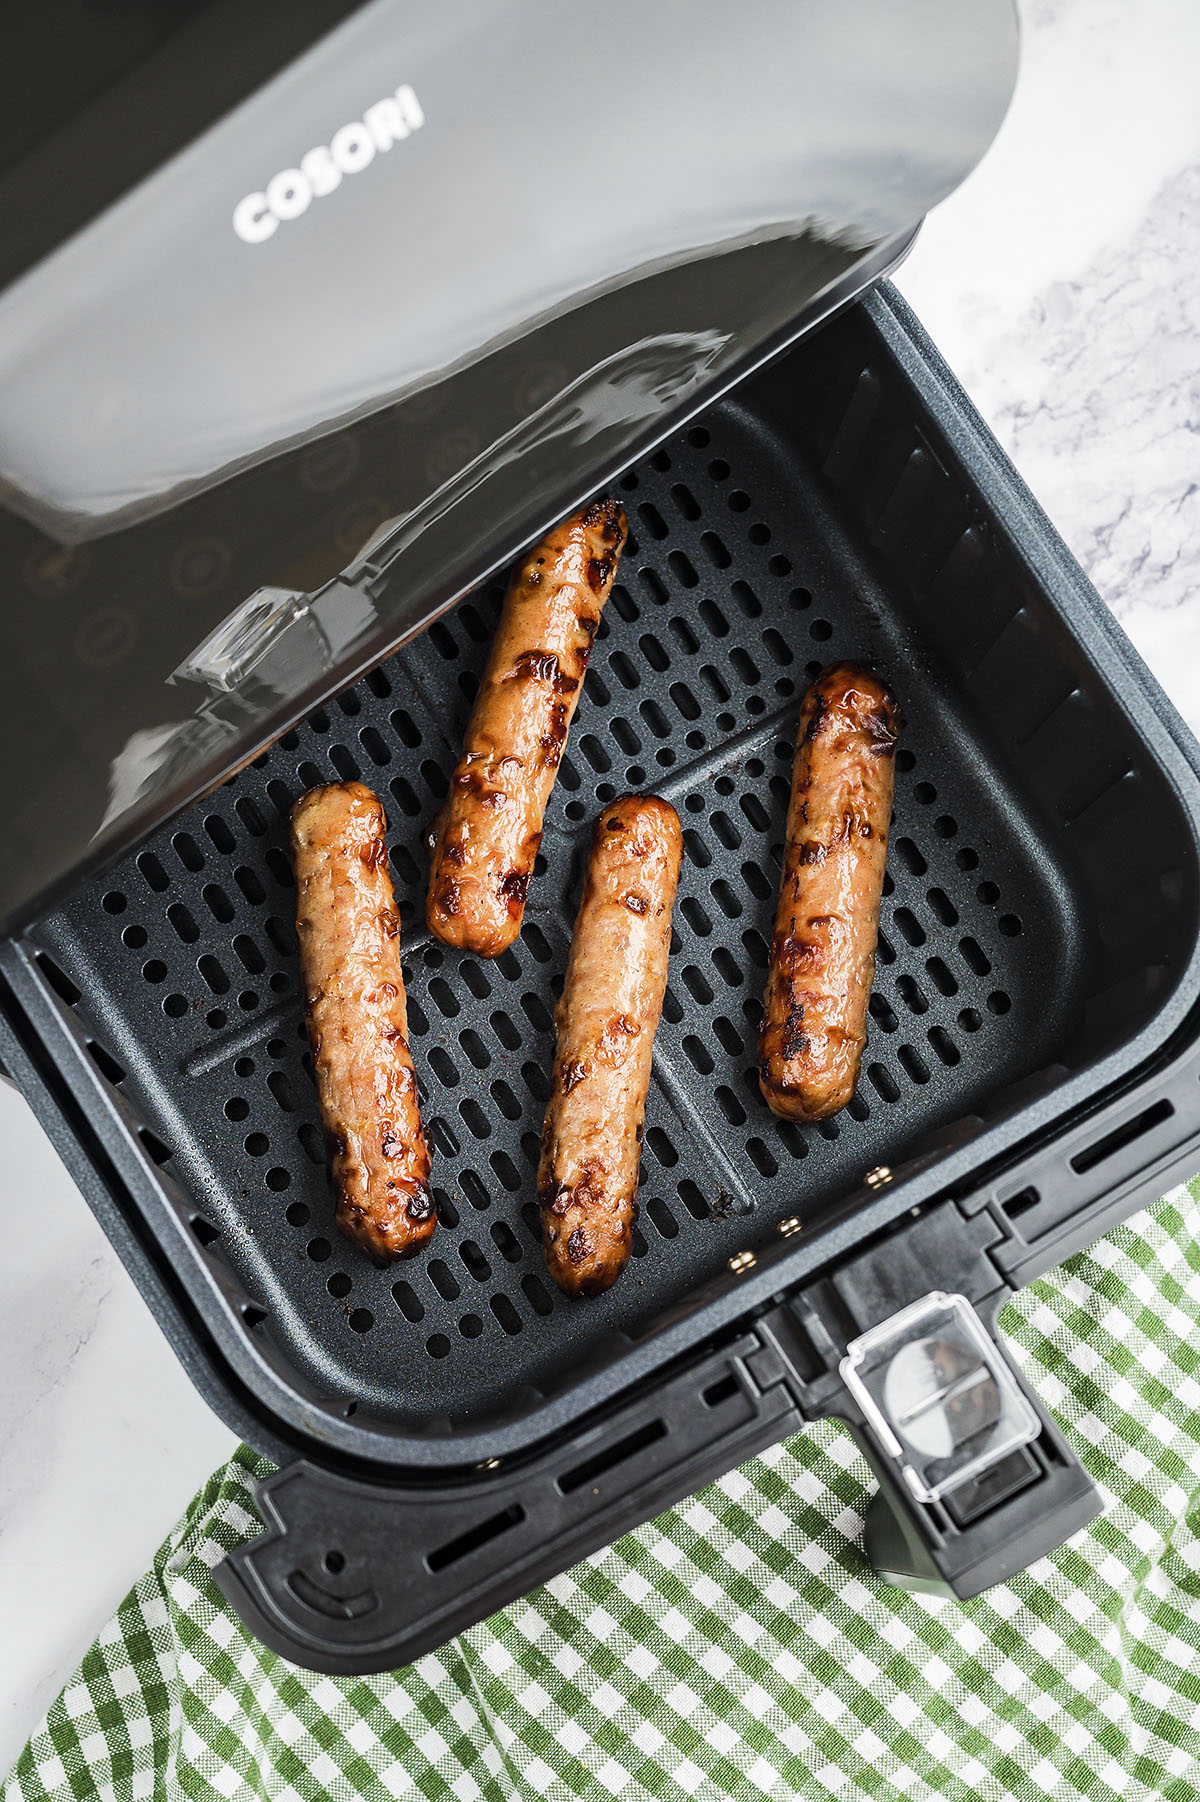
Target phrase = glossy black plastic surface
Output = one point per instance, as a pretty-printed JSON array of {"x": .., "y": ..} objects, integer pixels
[
  {"x": 1027, "y": 961},
  {"x": 291, "y": 392},
  {"x": 352, "y": 1576}
]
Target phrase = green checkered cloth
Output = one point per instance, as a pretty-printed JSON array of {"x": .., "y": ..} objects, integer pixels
[{"x": 739, "y": 1646}]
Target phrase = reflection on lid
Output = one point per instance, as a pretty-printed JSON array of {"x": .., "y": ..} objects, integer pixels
[
  {"x": 272, "y": 646},
  {"x": 622, "y": 390},
  {"x": 229, "y": 653}
]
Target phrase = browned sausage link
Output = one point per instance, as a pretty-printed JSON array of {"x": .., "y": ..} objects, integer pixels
[
  {"x": 823, "y": 953},
  {"x": 485, "y": 840},
  {"x": 349, "y": 933},
  {"x": 610, "y": 1008}
]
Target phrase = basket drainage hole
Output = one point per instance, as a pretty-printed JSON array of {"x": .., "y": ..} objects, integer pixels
[
  {"x": 998, "y": 1002},
  {"x": 470, "y": 1326},
  {"x": 247, "y": 1000},
  {"x": 339, "y": 1283},
  {"x": 134, "y": 937},
  {"x": 335, "y": 1562},
  {"x": 970, "y": 1019},
  {"x": 216, "y": 1017},
  {"x": 158, "y": 1148},
  {"x": 725, "y": 722},
  {"x": 361, "y": 1320},
  {"x": 244, "y": 1067},
  {"x": 318, "y": 1250},
  {"x": 236, "y": 1108},
  {"x": 114, "y": 902},
  {"x": 175, "y": 1006},
  {"x": 297, "y": 1214},
  {"x": 437, "y": 1345},
  {"x": 1009, "y": 925}
]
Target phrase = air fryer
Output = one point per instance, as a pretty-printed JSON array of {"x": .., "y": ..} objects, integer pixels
[{"x": 289, "y": 378}]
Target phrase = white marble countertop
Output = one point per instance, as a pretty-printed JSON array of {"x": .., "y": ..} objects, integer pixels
[{"x": 1060, "y": 283}]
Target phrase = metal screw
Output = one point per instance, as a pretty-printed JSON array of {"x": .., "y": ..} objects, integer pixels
[
  {"x": 878, "y": 1178},
  {"x": 789, "y": 1226},
  {"x": 743, "y": 1260}
]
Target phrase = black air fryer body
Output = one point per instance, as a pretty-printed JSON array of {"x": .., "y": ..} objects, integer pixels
[{"x": 229, "y": 585}]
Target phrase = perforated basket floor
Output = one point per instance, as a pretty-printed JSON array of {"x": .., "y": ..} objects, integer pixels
[{"x": 737, "y": 585}]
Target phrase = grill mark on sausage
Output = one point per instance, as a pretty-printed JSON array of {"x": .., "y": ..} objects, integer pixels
[
  {"x": 819, "y": 713},
  {"x": 514, "y": 887},
  {"x": 609, "y": 515},
  {"x": 420, "y": 1205},
  {"x": 542, "y": 666}
]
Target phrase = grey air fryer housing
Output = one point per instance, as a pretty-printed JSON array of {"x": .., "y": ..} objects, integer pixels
[{"x": 312, "y": 317}]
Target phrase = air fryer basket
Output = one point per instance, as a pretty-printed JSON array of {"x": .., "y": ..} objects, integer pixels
[{"x": 1038, "y": 940}]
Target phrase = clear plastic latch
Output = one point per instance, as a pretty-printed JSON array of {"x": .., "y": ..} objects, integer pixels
[{"x": 938, "y": 1394}]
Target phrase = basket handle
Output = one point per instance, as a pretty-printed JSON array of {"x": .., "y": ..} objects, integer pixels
[{"x": 354, "y": 1577}]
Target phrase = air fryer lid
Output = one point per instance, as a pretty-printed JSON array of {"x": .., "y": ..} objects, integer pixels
[{"x": 297, "y": 387}]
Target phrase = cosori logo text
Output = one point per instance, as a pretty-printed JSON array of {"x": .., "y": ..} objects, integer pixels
[{"x": 259, "y": 215}]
